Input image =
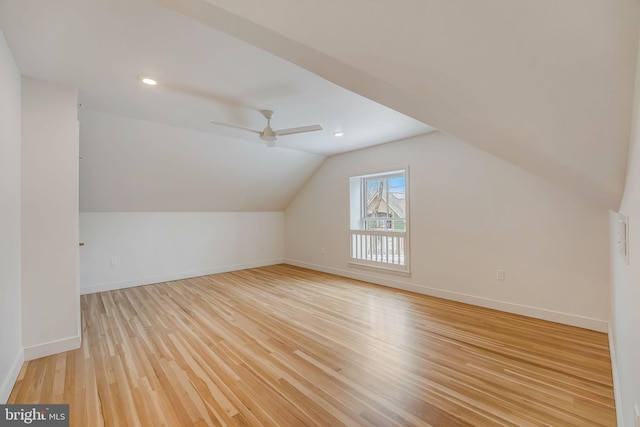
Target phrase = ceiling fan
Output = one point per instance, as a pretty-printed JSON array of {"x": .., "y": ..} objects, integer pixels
[{"x": 270, "y": 135}]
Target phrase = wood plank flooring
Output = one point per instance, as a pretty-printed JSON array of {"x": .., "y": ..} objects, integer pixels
[{"x": 285, "y": 346}]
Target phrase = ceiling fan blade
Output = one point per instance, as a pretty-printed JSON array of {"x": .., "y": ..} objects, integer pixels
[
  {"x": 302, "y": 129},
  {"x": 234, "y": 126}
]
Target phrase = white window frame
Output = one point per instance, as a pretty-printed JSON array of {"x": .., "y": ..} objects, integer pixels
[
  {"x": 363, "y": 193},
  {"x": 383, "y": 250}
]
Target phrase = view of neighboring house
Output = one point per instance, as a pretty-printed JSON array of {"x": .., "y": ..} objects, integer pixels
[{"x": 390, "y": 205}]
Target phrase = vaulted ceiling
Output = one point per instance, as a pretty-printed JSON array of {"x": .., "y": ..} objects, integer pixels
[
  {"x": 546, "y": 85},
  {"x": 171, "y": 158}
]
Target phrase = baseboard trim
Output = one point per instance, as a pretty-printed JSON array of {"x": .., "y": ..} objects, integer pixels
[
  {"x": 53, "y": 347},
  {"x": 141, "y": 281},
  {"x": 617, "y": 393},
  {"x": 524, "y": 310},
  {"x": 12, "y": 377}
]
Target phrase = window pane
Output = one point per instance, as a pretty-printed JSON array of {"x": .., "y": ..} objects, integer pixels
[{"x": 384, "y": 198}]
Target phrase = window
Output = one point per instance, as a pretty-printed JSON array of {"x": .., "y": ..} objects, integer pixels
[
  {"x": 383, "y": 204},
  {"x": 379, "y": 221}
]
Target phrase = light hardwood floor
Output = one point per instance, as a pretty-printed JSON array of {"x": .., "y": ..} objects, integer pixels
[{"x": 284, "y": 346}]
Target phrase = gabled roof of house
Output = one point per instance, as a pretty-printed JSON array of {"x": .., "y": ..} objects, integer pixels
[{"x": 396, "y": 202}]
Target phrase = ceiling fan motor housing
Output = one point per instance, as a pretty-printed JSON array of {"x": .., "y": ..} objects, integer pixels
[{"x": 268, "y": 134}]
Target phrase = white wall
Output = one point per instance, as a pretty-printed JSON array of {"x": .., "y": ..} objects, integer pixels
[
  {"x": 50, "y": 296},
  {"x": 625, "y": 285},
  {"x": 152, "y": 247},
  {"x": 471, "y": 214},
  {"x": 11, "y": 354},
  {"x": 166, "y": 203}
]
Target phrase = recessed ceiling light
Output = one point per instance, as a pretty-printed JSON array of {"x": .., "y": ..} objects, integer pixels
[
  {"x": 338, "y": 133},
  {"x": 148, "y": 81}
]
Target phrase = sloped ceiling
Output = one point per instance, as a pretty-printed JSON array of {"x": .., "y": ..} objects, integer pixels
[
  {"x": 136, "y": 165},
  {"x": 154, "y": 149},
  {"x": 545, "y": 84}
]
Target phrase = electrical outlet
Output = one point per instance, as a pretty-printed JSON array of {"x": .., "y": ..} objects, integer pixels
[
  {"x": 322, "y": 251},
  {"x": 113, "y": 263},
  {"x": 500, "y": 274}
]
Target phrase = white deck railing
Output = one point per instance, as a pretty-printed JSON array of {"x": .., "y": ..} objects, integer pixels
[{"x": 387, "y": 249}]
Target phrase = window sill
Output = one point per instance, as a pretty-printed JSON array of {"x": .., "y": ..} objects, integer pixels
[{"x": 381, "y": 269}]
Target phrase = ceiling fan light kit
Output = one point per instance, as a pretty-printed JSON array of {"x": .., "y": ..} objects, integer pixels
[{"x": 268, "y": 134}]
